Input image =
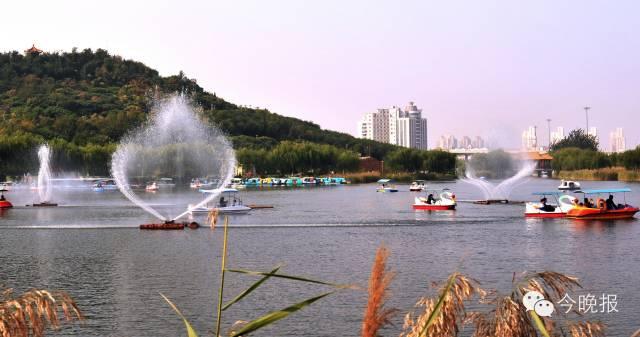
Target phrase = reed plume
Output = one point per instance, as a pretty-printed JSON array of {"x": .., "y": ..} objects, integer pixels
[
  {"x": 442, "y": 317},
  {"x": 376, "y": 315},
  {"x": 31, "y": 313},
  {"x": 586, "y": 329}
]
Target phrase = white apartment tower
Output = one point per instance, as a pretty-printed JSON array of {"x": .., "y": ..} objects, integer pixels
[
  {"x": 617, "y": 141},
  {"x": 403, "y": 127},
  {"x": 530, "y": 139},
  {"x": 557, "y": 135}
]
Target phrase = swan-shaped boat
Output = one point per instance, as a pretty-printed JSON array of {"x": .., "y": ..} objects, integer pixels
[
  {"x": 446, "y": 201},
  {"x": 563, "y": 203}
]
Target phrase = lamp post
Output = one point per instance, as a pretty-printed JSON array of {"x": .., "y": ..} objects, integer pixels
[{"x": 549, "y": 133}]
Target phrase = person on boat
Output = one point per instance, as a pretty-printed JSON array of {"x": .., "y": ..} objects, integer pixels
[
  {"x": 545, "y": 207},
  {"x": 223, "y": 202},
  {"x": 588, "y": 203},
  {"x": 611, "y": 205},
  {"x": 2, "y": 197},
  {"x": 431, "y": 199}
]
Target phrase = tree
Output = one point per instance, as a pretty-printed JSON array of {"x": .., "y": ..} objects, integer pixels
[{"x": 577, "y": 139}]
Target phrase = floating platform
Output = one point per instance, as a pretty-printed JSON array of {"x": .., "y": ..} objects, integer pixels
[
  {"x": 170, "y": 225},
  {"x": 259, "y": 206},
  {"x": 44, "y": 204},
  {"x": 491, "y": 201}
]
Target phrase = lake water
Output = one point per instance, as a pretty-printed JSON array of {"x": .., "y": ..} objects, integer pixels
[{"x": 91, "y": 247}]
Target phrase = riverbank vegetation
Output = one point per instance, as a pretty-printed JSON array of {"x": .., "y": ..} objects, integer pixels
[{"x": 577, "y": 158}]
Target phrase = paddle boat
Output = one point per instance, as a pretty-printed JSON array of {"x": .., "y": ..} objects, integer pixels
[
  {"x": 418, "y": 186},
  {"x": 386, "y": 186},
  {"x": 568, "y": 185},
  {"x": 4, "y": 203},
  {"x": 253, "y": 182},
  {"x": 446, "y": 200},
  {"x": 228, "y": 203},
  {"x": 236, "y": 183},
  {"x": 309, "y": 181},
  {"x": 104, "y": 185},
  {"x": 563, "y": 203},
  {"x": 603, "y": 209},
  {"x": 293, "y": 181}
]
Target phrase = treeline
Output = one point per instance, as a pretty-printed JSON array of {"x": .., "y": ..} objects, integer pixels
[
  {"x": 294, "y": 157},
  {"x": 579, "y": 151},
  {"x": 570, "y": 159},
  {"x": 420, "y": 161},
  {"x": 85, "y": 101}
]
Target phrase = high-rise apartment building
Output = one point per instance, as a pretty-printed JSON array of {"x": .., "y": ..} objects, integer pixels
[
  {"x": 403, "y": 127},
  {"x": 617, "y": 141},
  {"x": 530, "y": 138}
]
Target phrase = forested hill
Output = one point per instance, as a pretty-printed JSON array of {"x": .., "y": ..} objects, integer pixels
[{"x": 83, "y": 102}]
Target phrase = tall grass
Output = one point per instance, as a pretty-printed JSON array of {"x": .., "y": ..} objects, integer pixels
[{"x": 603, "y": 174}]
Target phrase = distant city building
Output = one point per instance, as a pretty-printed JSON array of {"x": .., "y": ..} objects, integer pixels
[
  {"x": 478, "y": 143},
  {"x": 557, "y": 135},
  {"x": 403, "y": 127},
  {"x": 448, "y": 142},
  {"x": 530, "y": 138},
  {"x": 617, "y": 141}
]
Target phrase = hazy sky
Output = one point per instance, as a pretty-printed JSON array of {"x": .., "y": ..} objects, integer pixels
[{"x": 487, "y": 68}]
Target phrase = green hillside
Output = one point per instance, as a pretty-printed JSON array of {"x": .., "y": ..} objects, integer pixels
[{"x": 83, "y": 102}]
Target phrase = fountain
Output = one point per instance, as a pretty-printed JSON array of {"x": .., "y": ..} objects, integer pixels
[
  {"x": 500, "y": 192},
  {"x": 172, "y": 143},
  {"x": 44, "y": 177}
]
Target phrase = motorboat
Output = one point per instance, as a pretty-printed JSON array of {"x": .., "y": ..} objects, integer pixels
[
  {"x": 152, "y": 187},
  {"x": 563, "y": 203},
  {"x": 104, "y": 185},
  {"x": 569, "y": 185},
  {"x": 385, "y": 185},
  {"x": 4, "y": 203},
  {"x": 446, "y": 200},
  {"x": 418, "y": 186},
  {"x": 603, "y": 209},
  {"x": 228, "y": 203}
]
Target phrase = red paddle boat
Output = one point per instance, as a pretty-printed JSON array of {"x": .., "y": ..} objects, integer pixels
[{"x": 603, "y": 209}]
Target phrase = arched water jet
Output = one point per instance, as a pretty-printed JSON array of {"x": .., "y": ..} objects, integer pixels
[
  {"x": 503, "y": 190},
  {"x": 173, "y": 143}
]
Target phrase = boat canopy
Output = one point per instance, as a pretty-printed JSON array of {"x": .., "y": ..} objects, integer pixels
[
  {"x": 610, "y": 190},
  {"x": 384, "y": 181},
  {"x": 548, "y": 193}
]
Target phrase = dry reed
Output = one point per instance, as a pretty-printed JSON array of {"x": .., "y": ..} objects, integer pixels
[
  {"x": 31, "y": 313},
  {"x": 212, "y": 218},
  {"x": 443, "y": 317},
  {"x": 376, "y": 315}
]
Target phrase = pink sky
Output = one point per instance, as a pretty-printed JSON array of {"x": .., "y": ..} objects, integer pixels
[{"x": 488, "y": 68}]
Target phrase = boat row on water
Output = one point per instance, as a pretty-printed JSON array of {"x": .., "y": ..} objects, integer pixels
[{"x": 290, "y": 181}]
